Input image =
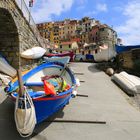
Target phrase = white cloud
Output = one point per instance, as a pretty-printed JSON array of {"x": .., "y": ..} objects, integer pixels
[
  {"x": 81, "y": 2},
  {"x": 130, "y": 30},
  {"x": 48, "y": 8},
  {"x": 101, "y": 7}
]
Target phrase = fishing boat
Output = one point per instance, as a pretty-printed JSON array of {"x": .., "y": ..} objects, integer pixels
[
  {"x": 128, "y": 82},
  {"x": 6, "y": 68},
  {"x": 33, "y": 53},
  {"x": 70, "y": 54},
  {"x": 50, "y": 86},
  {"x": 64, "y": 59}
]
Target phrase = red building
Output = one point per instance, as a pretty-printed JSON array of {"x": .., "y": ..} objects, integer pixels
[{"x": 93, "y": 35}]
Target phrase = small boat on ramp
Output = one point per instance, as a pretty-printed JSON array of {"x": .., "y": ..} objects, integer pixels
[
  {"x": 50, "y": 86},
  {"x": 58, "y": 76}
]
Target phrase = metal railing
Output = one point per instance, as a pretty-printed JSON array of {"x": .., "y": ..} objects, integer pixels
[{"x": 27, "y": 14}]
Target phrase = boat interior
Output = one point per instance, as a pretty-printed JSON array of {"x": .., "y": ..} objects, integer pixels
[{"x": 36, "y": 84}]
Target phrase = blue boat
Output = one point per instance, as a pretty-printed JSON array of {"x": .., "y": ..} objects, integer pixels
[
  {"x": 64, "y": 59},
  {"x": 46, "y": 104},
  {"x": 120, "y": 49}
]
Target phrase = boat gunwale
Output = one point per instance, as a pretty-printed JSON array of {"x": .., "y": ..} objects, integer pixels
[
  {"x": 37, "y": 69},
  {"x": 45, "y": 98}
]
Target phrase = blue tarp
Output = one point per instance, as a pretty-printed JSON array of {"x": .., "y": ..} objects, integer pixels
[
  {"x": 120, "y": 49},
  {"x": 89, "y": 57}
]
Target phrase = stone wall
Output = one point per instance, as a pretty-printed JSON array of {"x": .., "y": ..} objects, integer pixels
[
  {"x": 125, "y": 60},
  {"x": 130, "y": 60},
  {"x": 16, "y": 34}
]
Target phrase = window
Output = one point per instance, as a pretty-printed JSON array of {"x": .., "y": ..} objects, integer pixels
[
  {"x": 60, "y": 46},
  {"x": 89, "y": 52},
  {"x": 69, "y": 46},
  {"x": 96, "y": 51}
]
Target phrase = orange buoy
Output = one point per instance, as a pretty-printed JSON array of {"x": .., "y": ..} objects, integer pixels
[{"x": 49, "y": 88}]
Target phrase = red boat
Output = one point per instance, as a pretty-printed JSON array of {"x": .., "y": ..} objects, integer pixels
[{"x": 70, "y": 54}]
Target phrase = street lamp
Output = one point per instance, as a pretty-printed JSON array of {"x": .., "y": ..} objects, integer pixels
[{"x": 30, "y": 5}]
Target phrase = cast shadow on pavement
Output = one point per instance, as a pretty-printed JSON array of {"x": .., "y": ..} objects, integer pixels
[
  {"x": 8, "y": 129},
  {"x": 94, "y": 68}
]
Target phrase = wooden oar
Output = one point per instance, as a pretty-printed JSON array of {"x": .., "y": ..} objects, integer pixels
[
  {"x": 28, "y": 116},
  {"x": 21, "y": 86}
]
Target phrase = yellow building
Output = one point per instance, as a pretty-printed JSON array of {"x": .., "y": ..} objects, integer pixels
[
  {"x": 45, "y": 30},
  {"x": 55, "y": 35},
  {"x": 84, "y": 37},
  {"x": 67, "y": 46},
  {"x": 57, "y": 32}
]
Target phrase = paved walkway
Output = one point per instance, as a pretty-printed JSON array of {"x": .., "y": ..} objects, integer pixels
[{"x": 105, "y": 102}]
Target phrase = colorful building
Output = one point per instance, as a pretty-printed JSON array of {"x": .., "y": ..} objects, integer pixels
[
  {"x": 55, "y": 32},
  {"x": 94, "y": 34},
  {"x": 87, "y": 30},
  {"x": 45, "y": 30},
  {"x": 87, "y": 24},
  {"x": 67, "y": 46},
  {"x": 105, "y": 50}
]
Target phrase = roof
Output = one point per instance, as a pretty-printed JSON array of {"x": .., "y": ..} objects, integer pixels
[{"x": 76, "y": 39}]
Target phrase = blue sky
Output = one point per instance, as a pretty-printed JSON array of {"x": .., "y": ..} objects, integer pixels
[{"x": 122, "y": 15}]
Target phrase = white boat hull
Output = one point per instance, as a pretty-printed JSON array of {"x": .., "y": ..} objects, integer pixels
[
  {"x": 33, "y": 53},
  {"x": 6, "y": 68},
  {"x": 129, "y": 83}
]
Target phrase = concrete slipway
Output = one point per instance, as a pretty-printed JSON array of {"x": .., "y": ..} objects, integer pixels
[{"x": 105, "y": 102}]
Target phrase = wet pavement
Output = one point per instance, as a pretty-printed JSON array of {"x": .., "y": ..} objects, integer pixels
[{"x": 105, "y": 103}]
